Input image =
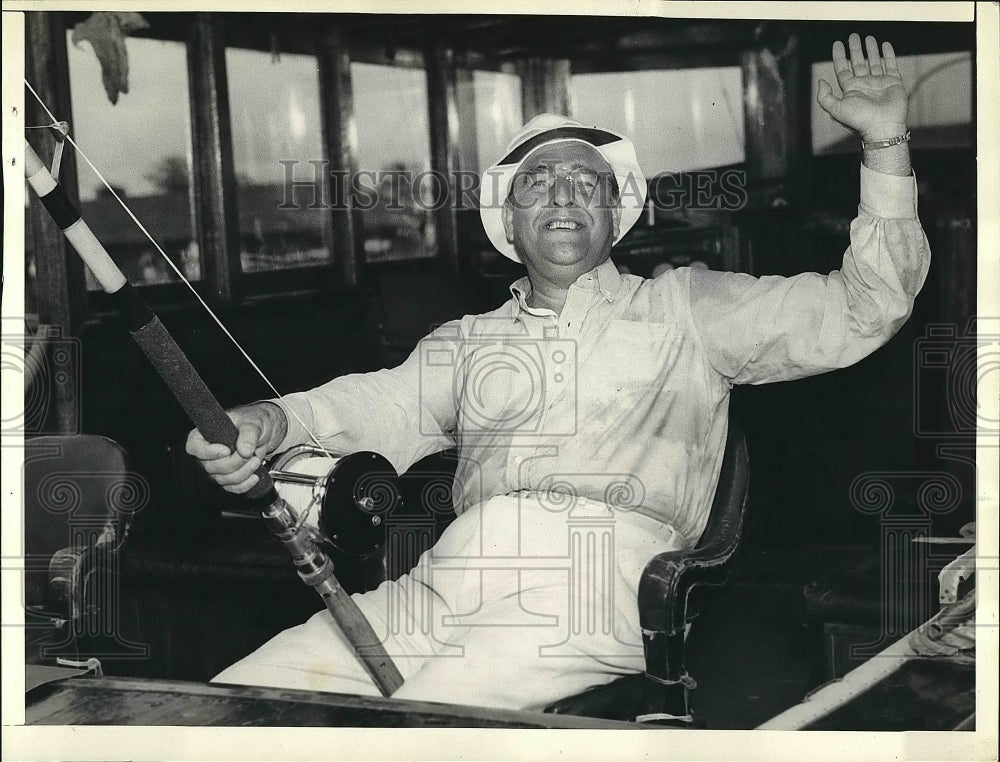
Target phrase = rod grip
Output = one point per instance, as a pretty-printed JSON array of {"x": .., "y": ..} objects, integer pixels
[
  {"x": 149, "y": 333},
  {"x": 195, "y": 397}
]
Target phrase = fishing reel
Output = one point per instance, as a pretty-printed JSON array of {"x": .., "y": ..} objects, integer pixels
[{"x": 355, "y": 494}]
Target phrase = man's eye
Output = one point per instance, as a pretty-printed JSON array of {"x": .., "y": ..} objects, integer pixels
[{"x": 586, "y": 180}]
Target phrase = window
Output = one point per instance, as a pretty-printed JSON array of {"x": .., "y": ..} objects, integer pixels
[
  {"x": 940, "y": 104},
  {"x": 393, "y": 156},
  {"x": 679, "y": 120},
  {"x": 497, "y": 97},
  {"x": 142, "y": 145},
  {"x": 275, "y": 115}
]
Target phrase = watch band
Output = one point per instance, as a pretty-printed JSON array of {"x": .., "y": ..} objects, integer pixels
[{"x": 886, "y": 143}]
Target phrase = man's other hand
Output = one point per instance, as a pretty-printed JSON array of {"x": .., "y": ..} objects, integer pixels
[
  {"x": 873, "y": 103},
  {"x": 262, "y": 427}
]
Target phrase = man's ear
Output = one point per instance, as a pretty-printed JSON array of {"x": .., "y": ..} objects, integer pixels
[
  {"x": 507, "y": 215},
  {"x": 616, "y": 220}
]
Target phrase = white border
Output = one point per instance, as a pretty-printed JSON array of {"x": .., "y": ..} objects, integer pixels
[{"x": 308, "y": 743}]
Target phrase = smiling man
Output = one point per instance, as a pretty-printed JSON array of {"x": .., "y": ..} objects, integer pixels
[
  {"x": 562, "y": 216},
  {"x": 590, "y": 399}
]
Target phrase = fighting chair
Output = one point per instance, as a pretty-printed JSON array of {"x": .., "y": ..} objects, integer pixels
[
  {"x": 79, "y": 501},
  {"x": 662, "y": 695}
]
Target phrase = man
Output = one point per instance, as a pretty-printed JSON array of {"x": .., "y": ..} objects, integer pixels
[{"x": 590, "y": 399}]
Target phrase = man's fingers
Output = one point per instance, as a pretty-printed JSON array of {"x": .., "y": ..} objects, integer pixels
[
  {"x": 874, "y": 61},
  {"x": 197, "y": 446},
  {"x": 239, "y": 489},
  {"x": 238, "y": 476},
  {"x": 233, "y": 469},
  {"x": 222, "y": 466},
  {"x": 248, "y": 438},
  {"x": 841, "y": 66},
  {"x": 823, "y": 91},
  {"x": 889, "y": 60},
  {"x": 858, "y": 62},
  {"x": 826, "y": 98}
]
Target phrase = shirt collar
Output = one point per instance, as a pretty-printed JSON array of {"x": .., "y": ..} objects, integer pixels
[
  {"x": 607, "y": 278},
  {"x": 604, "y": 279}
]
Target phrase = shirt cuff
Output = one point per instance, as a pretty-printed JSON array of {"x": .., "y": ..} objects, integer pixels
[
  {"x": 296, "y": 433},
  {"x": 890, "y": 197}
]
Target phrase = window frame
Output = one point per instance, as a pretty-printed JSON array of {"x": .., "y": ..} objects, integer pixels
[
  {"x": 630, "y": 48},
  {"x": 465, "y": 71},
  {"x": 211, "y": 105},
  {"x": 231, "y": 286},
  {"x": 293, "y": 279}
]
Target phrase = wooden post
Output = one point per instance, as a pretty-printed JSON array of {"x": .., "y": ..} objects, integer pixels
[
  {"x": 465, "y": 102},
  {"x": 771, "y": 139},
  {"x": 800, "y": 82},
  {"x": 342, "y": 227},
  {"x": 444, "y": 149},
  {"x": 60, "y": 281},
  {"x": 544, "y": 86},
  {"x": 216, "y": 212},
  {"x": 769, "y": 95}
]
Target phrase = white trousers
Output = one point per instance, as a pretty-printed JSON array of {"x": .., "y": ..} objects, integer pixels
[{"x": 524, "y": 600}]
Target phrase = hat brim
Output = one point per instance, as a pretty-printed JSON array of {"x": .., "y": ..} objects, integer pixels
[{"x": 616, "y": 149}]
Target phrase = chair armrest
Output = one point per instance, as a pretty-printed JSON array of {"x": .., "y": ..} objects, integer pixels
[
  {"x": 669, "y": 577},
  {"x": 64, "y": 596}
]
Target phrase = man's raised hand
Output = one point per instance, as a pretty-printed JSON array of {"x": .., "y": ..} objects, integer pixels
[
  {"x": 873, "y": 103},
  {"x": 262, "y": 427}
]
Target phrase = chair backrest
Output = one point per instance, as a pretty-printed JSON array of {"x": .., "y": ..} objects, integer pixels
[
  {"x": 78, "y": 492},
  {"x": 725, "y": 523},
  {"x": 663, "y": 604},
  {"x": 669, "y": 576}
]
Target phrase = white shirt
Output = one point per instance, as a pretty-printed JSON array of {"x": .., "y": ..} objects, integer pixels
[{"x": 623, "y": 397}]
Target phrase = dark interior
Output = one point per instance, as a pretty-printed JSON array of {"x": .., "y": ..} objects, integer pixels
[{"x": 201, "y": 588}]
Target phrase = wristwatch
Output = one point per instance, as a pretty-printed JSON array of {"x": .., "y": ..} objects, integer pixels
[{"x": 886, "y": 143}]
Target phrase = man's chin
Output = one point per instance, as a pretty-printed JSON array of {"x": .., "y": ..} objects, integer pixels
[
  {"x": 562, "y": 256},
  {"x": 581, "y": 261}
]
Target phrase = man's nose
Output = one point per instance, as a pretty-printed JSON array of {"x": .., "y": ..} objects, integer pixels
[{"x": 563, "y": 192}]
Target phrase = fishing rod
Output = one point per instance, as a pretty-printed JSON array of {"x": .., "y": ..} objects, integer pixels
[{"x": 313, "y": 565}]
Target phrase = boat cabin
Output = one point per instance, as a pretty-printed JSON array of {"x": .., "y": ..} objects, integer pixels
[{"x": 308, "y": 183}]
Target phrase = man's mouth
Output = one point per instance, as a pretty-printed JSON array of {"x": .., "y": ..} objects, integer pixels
[{"x": 563, "y": 225}]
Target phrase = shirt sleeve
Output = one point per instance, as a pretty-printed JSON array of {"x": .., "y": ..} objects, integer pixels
[
  {"x": 403, "y": 413},
  {"x": 759, "y": 330}
]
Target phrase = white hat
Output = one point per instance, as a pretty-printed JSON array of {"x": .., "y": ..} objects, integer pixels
[{"x": 544, "y": 129}]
